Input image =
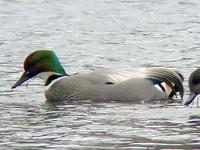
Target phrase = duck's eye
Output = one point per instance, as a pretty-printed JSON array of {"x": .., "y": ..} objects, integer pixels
[{"x": 27, "y": 72}]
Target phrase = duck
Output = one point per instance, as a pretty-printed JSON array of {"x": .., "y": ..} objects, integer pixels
[
  {"x": 102, "y": 84},
  {"x": 194, "y": 86}
]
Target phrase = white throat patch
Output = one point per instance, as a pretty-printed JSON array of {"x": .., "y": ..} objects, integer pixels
[{"x": 45, "y": 75}]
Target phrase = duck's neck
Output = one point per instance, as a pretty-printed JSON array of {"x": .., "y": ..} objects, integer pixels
[{"x": 48, "y": 77}]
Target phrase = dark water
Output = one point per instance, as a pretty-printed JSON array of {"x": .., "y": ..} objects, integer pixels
[{"x": 86, "y": 34}]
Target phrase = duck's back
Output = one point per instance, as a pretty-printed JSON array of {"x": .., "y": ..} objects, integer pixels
[{"x": 105, "y": 84}]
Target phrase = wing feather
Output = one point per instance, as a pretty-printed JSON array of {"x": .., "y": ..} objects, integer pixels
[
  {"x": 172, "y": 78},
  {"x": 168, "y": 76}
]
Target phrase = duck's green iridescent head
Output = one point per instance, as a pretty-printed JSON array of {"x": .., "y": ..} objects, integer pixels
[{"x": 38, "y": 62}]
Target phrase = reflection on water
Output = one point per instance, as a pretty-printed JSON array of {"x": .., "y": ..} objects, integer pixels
[{"x": 88, "y": 34}]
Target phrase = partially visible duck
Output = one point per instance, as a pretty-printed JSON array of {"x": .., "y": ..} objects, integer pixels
[
  {"x": 156, "y": 83},
  {"x": 194, "y": 86}
]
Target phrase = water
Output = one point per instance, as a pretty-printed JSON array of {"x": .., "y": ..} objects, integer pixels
[{"x": 86, "y": 34}]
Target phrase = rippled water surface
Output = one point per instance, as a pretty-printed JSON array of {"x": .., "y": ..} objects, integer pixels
[{"x": 86, "y": 34}]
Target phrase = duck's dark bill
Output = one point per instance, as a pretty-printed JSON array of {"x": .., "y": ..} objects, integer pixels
[
  {"x": 22, "y": 79},
  {"x": 190, "y": 98}
]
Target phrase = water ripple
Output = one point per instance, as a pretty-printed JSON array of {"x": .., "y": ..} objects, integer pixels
[{"x": 116, "y": 33}]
